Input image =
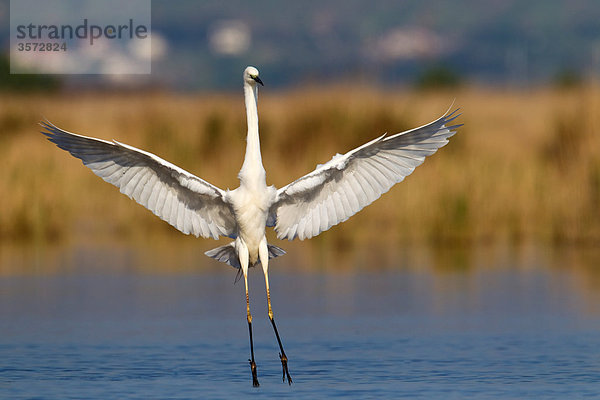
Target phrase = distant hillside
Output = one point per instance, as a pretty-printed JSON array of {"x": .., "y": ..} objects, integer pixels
[{"x": 204, "y": 44}]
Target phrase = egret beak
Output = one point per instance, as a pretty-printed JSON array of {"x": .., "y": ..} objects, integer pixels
[{"x": 257, "y": 80}]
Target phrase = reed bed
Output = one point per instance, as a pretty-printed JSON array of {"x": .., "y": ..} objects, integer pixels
[{"x": 524, "y": 168}]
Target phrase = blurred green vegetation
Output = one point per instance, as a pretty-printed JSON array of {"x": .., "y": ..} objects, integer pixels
[
  {"x": 26, "y": 82},
  {"x": 568, "y": 78},
  {"x": 438, "y": 76}
]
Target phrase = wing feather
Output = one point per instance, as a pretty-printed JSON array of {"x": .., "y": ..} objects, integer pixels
[
  {"x": 338, "y": 189},
  {"x": 185, "y": 201}
]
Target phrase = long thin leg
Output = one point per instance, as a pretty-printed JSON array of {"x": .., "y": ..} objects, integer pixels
[
  {"x": 282, "y": 355},
  {"x": 249, "y": 318},
  {"x": 242, "y": 251}
]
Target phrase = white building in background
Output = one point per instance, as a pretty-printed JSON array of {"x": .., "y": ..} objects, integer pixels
[
  {"x": 407, "y": 44},
  {"x": 229, "y": 37}
]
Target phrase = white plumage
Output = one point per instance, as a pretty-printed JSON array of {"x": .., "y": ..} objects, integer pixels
[
  {"x": 340, "y": 188},
  {"x": 330, "y": 194},
  {"x": 185, "y": 201}
]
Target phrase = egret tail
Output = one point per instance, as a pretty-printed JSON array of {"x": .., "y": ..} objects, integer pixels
[{"x": 228, "y": 255}]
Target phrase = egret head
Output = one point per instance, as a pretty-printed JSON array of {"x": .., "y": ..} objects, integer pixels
[{"x": 251, "y": 76}]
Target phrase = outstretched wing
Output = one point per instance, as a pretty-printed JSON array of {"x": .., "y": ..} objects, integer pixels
[
  {"x": 340, "y": 188},
  {"x": 185, "y": 201}
]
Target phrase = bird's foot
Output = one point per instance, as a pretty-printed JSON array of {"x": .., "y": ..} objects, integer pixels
[
  {"x": 286, "y": 373},
  {"x": 254, "y": 376}
]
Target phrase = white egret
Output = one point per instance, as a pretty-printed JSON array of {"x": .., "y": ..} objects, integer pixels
[{"x": 330, "y": 194}]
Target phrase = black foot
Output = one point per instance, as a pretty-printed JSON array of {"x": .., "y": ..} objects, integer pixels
[
  {"x": 254, "y": 376},
  {"x": 286, "y": 373}
]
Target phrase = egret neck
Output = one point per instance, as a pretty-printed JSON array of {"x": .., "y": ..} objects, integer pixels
[{"x": 252, "y": 172}]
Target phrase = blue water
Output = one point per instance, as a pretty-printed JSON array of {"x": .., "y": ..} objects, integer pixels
[{"x": 97, "y": 324}]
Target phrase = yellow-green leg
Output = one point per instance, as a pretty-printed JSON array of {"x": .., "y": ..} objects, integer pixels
[
  {"x": 244, "y": 262},
  {"x": 249, "y": 318},
  {"x": 282, "y": 356}
]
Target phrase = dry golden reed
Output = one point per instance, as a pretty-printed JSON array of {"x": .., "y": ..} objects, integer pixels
[{"x": 524, "y": 168}]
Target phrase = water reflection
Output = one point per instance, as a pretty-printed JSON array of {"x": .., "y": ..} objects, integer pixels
[
  {"x": 447, "y": 279},
  {"x": 135, "y": 321}
]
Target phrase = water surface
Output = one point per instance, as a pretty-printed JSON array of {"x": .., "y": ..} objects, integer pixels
[{"x": 112, "y": 322}]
